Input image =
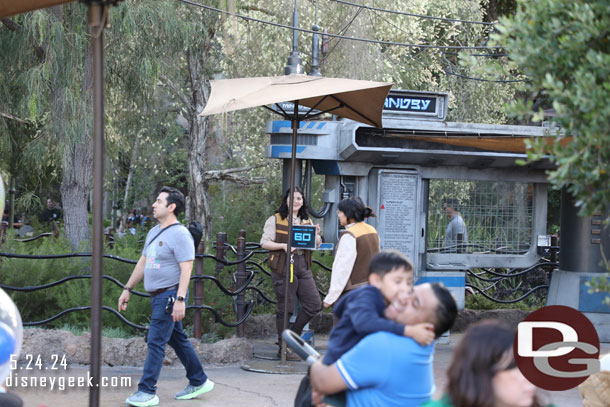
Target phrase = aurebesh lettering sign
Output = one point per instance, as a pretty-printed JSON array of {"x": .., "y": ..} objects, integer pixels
[
  {"x": 410, "y": 104},
  {"x": 418, "y": 104}
]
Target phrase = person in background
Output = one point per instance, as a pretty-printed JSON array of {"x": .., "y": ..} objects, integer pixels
[
  {"x": 357, "y": 245},
  {"x": 52, "y": 213},
  {"x": 165, "y": 266},
  {"x": 483, "y": 371},
  {"x": 456, "y": 227},
  {"x": 302, "y": 284}
]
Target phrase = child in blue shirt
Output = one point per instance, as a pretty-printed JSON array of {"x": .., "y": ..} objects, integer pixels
[{"x": 361, "y": 311}]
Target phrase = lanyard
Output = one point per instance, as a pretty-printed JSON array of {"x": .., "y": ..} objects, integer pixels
[{"x": 291, "y": 268}]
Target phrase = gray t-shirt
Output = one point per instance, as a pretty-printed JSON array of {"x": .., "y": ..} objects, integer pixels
[
  {"x": 164, "y": 254},
  {"x": 456, "y": 226}
]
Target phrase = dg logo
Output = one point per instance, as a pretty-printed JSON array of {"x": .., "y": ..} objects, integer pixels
[{"x": 557, "y": 348}]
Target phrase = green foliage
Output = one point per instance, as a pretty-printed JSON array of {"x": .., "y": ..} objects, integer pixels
[{"x": 563, "y": 48}]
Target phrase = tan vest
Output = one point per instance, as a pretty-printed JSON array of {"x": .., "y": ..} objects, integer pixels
[
  {"x": 367, "y": 245},
  {"x": 278, "y": 257}
]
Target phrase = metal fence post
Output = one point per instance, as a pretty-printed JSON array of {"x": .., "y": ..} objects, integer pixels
[
  {"x": 198, "y": 289},
  {"x": 554, "y": 248},
  {"x": 221, "y": 239},
  {"x": 240, "y": 280}
]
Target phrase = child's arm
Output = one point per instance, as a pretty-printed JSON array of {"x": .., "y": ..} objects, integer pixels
[
  {"x": 422, "y": 333},
  {"x": 367, "y": 315}
]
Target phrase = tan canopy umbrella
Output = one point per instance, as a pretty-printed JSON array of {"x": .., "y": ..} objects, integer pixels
[
  {"x": 12, "y": 7},
  {"x": 361, "y": 101}
]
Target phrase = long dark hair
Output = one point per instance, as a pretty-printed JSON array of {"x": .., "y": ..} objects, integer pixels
[
  {"x": 475, "y": 362},
  {"x": 283, "y": 209},
  {"x": 354, "y": 208}
]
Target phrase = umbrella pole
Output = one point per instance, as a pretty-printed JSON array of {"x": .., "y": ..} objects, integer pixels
[
  {"x": 293, "y": 159},
  {"x": 96, "y": 24}
]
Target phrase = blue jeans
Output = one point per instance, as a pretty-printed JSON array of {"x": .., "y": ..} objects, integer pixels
[{"x": 162, "y": 331}]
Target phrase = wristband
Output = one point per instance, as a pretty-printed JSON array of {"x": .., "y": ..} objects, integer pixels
[{"x": 127, "y": 288}]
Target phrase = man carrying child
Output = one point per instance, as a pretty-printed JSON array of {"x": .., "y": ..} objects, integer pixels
[{"x": 392, "y": 365}]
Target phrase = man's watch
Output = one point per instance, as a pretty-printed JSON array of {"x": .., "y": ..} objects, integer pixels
[{"x": 179, "y": 298}]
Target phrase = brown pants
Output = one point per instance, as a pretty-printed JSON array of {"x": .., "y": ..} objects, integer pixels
[{"x": 302, "y": 287}]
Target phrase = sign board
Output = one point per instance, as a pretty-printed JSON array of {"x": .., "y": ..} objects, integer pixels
[
  {"x": 416, "y": 104},
  {"x": 397, "y": 211},
  {"x": 303, "y": 237}
]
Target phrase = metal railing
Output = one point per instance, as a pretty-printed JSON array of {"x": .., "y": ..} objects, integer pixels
[{"x": 248, "y": 278}]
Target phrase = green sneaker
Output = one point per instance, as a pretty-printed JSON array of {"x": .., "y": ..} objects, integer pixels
[
  {"x": 191, "y": 392},
  {"x": 141, "y": 399}
]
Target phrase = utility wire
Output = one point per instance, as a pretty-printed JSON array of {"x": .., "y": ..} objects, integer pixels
[
  {"x": 486, "y": 80},
  {"x": 391, "y": 43},
  {"x": 451, "y": 20}
]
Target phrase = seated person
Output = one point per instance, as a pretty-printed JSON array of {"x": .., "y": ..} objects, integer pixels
[
  {"x": 361, "y": 311},
  {"x": 483, "y": 371},
  {"x": 385, "y": 369}
]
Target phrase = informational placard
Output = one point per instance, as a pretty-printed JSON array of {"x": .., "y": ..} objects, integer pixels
[
  {"x": 397, "y": 224},
  {"x": 303, "y": 237}
]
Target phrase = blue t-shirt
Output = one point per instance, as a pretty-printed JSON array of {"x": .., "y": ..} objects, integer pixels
[
  {"x": 387, "y": 370},
  {"x": 164, "y": 254},
  {"x": 360, "y": 313}
]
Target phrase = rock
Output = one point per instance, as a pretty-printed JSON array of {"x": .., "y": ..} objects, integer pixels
[
  {"x": 53, "y": 345},
  {"x": 260, "y": 326},
  {"x": 263, "y": 326},
  {"x": 469, "y": 316}
]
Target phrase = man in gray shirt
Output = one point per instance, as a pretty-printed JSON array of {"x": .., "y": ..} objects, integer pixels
[
  {"x": 456, "y": 226},
  {"x": 165, "y": 265}
]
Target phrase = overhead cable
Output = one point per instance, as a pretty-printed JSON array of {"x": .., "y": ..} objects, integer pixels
[
  {"x": 390, "y": 43},
  {"x": 451, "y": 20}
]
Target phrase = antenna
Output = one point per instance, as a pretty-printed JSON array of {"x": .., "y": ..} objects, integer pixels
[
  {"x": 315, "y": 46},
  {"x": 293, "y": 64}
]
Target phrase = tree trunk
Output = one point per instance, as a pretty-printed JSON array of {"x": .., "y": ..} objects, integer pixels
[
  {"x": 198, "y": 201},
  {"x": 77, "y": 172},
  {"x": 132, "y": 166},
  {"x": 77, "y": 165}
]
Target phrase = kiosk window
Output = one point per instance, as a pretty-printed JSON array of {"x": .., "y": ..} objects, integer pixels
[{"x": 479, "y": 217}]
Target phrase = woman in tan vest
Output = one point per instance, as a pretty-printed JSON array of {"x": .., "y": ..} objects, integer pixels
[
  {"x": 303, "y": 285},
  {"x": 357, "y": 245}
]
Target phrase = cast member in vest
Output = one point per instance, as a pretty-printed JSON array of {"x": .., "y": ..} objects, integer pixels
[
  {"x": 303, "y": 285},
  {"x": 357, "y": 245}
]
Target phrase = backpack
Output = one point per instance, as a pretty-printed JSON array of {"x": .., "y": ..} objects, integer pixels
[{"x": 196, "y": 229}]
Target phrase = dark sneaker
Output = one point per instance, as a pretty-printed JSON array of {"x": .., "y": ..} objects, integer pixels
[
  {"x": 141, "y": 399},
  {"x": 191, "y": 392}
]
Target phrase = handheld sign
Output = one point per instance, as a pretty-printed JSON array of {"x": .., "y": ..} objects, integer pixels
[{"x": 303, "y": 237}]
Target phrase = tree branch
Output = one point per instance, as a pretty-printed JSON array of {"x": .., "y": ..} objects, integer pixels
[
  {"x": 228, "y": 175},
  {"x": 13, "y": 26},
  {"x": 177, "y": 92},
  {"x": 15, "y": 118}
]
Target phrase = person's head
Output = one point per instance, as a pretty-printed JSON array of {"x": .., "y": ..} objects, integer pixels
[
  {"x": 299, "y": 206},
  {"x": 429, "y": 302},
  {"x": 352, "y": 210},
  {"x": 169, "y": 201},
  {"x": 483, "y": 371},
  {"x": 50, "y": 203},
  {"x": 392, "y": 273},
  {"x": 451, "y": 207}
]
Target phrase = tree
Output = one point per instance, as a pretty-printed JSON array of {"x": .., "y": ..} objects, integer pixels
[
  {"x": 55, "y": 76},
  {"x": 563, "y": 48}
]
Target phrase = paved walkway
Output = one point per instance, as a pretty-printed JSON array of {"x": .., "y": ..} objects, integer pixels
[{"x": 234, "y": 385}]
